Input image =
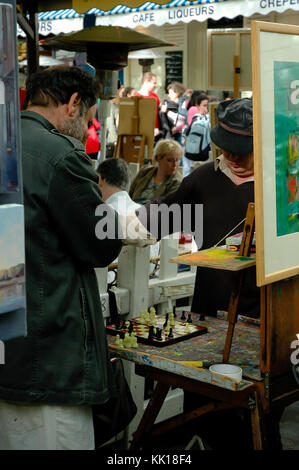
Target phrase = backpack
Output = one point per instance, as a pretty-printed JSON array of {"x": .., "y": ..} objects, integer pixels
[{"x": 198, "y": 140}]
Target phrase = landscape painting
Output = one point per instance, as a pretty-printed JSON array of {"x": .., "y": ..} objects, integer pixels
[{"x": 12, "y": 258}]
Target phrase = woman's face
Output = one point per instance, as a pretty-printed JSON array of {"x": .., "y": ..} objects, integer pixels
[
  {"x": 173, "y": 95},
  {"x": 203, "y": 107},
  {"x": 170, "y": 163}
]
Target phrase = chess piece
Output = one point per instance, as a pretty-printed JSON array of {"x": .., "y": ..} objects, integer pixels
[
  {"x": 170, "y": 334},
  {"x": 131, "y": 327},
  {"x": 127, "y": 340},
  {"x": 167, "y": 327},
  {"x": 189, "y": 320},
  {"x": 202, "y": 317},
  {"x": 171, "y": 319},
  {"x": 134, "y": 343},
  {"x": 142, "y": 319},
  {"x": 152, "y": 311},
  {"x": 166, "y": 320},
  {"x": 117, "y": 340},
  {"x": 174, "y": 311},
  {"x": 187, "y": 329},
  {"x": 183, "y": 316},
  {"x": 121, "y": 343},
  {"x": 146, "y": 316},
  {"x": 159, "y": 334},
  {"x": 151, "y": 333}
]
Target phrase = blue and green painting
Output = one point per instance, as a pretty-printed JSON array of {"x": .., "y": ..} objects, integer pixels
[{"x": 286, "y": 108}]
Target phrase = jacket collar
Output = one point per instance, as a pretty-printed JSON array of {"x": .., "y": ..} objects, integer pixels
[{"x": 38, "y": 117}]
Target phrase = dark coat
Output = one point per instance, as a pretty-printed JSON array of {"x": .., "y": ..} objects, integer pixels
[{"x": 64, "y": 358}]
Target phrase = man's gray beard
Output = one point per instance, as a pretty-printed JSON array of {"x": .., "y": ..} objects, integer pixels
[{"x": 74, "y": 128}]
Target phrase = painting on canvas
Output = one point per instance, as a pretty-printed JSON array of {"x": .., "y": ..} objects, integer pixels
[{"x": 12, "y": 258}]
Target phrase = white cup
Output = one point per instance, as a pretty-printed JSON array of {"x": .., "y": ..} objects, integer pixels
[{"x": 228, "y": 370}]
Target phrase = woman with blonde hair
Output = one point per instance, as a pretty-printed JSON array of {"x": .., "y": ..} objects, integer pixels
[{"x": 161, "y": 178}]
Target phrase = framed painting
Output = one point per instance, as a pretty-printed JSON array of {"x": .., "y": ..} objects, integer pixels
[{"x": 275, "y": 79}]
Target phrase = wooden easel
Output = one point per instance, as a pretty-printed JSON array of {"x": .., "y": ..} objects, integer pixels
[
  {"x": 276, "y": 388},
  {"x": 236, "y": 290},
  {"x": 136, "y": 130},
  {"x": 130, "y": 148}
]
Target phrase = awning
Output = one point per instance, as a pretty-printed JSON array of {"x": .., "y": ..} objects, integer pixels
[
  {"x": 57, "y": 22},
  {"x": 185, "y": 11},
  {"x": 68, "y": 20}
]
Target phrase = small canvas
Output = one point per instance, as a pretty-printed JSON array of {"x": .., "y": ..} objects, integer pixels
[{"x": 12, "y": 258}]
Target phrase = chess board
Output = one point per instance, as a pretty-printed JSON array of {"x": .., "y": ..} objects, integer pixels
[{"x": 141, "y": 331}]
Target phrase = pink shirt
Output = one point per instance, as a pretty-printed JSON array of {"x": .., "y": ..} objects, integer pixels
[{"x": 191, "y": 111}]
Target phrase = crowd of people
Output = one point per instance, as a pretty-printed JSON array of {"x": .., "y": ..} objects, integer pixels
[{"x": 174, "y": 119}]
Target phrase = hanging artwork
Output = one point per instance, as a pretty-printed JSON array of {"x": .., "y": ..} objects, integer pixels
[
  {"x": 276, "y": 149},
  {"x": 12, "y": 258}
]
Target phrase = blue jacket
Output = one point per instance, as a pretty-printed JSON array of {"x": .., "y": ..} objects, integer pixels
[{"x": 64, "y": 358}]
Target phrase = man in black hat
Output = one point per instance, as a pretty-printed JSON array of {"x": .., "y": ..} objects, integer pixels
[{"x": 224, "y": 187}]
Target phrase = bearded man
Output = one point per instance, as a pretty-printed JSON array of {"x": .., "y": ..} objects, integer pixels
[{"x": 53, "y": 376}]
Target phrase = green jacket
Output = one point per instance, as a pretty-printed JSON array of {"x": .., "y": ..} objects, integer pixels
[
  {"x": 64, "y": 358},
  {"x": 143, "y": 178}
]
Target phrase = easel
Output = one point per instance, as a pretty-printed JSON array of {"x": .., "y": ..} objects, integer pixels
[
  {"x": 236, "y": 290},
  {"x": 213, "y": 117},
  {"x": 279, "y": 325},
  {"x": 136, "y": 130}
]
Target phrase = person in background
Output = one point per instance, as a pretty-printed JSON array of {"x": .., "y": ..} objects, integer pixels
[
  {"x": 93, "y": 142},
  {"x": 112, "y": 123},
  {"x": 162, "y": 178},
  {"x": 192, "y": 105},
  {"x": 114, "y": 183},
  {"x": 148, "y": 85},
  {"x": 129, "y": 92},
  {"x": 197, "y": 106},
  {"x": 172, "y": 119},
  {"x": 54, "y": 375}
]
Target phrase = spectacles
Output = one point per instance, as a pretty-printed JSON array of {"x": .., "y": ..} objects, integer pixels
[{"x": 173, "y": 160}]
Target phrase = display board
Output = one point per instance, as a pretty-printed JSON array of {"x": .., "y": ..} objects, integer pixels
[
  {"x": 12, "y": 243},
  {"x": 137, "y": 117},
  {"x": 223, "y": 48},
  {"x": 173, "y": 67},
  {"x": 276, "y": 149}
]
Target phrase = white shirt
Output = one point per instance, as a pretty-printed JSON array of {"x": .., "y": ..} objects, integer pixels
[{"x": 122, "y": 203}]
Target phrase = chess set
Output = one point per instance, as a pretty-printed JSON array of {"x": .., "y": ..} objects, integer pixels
[{"x": 154, "y": 330}]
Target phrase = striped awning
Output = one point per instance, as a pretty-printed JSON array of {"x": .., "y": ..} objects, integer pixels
[{"x": 68, "y": 20}]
